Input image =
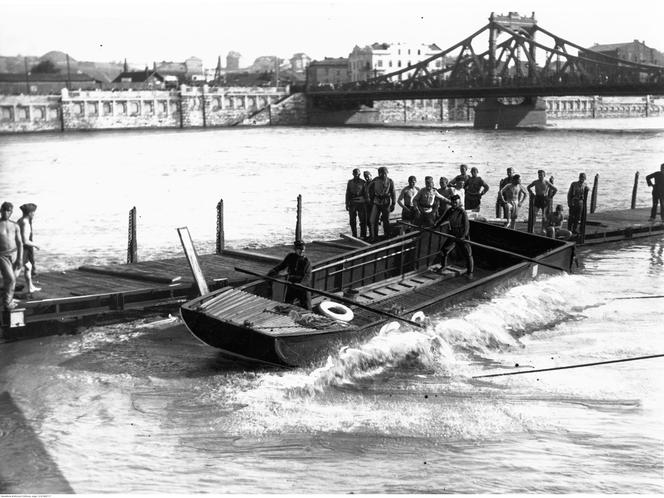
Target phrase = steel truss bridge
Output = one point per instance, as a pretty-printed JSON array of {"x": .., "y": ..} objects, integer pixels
[{"x": 514, "y": 64}]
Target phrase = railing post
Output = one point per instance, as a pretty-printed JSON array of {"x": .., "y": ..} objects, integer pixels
[
  {"x": 298, "y": 221},
  {"x": 584, "y": 216},
  {"x": 531, "y": 213},
  {"x": 634, "y": 189},
  {"x": 132, "y": 244},
  {"x": 221, "y": 240}
]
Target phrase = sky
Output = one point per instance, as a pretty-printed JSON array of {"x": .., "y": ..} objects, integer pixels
[{"x": 144, "y": 31}]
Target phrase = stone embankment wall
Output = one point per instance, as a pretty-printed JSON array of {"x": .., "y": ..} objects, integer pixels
[
  {"x": 86, "y": 110},
  {"x": 264, "y": 106},
  {"x": 603, "y": 107}
]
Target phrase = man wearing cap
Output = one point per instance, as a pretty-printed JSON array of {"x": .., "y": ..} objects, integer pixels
[
  {"x": 356, "y": 202},
  {"x": 458, "y": 225},
  {"x": 25, "y": 225},
  {"x": 299, "y": 272},
  {"x": 11, "y": 254}
]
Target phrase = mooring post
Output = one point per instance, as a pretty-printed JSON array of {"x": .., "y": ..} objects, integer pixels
[
  {"x": 593, "y": 198},
  {"x": 221, "y": 239},
  {"x": 132, "y": 245},
  {"x": 531, "y": 213},
  {"x": 634, "y": 189},
  {"x": 584, "y": 216},
  {"x": 298, "y": 221}
]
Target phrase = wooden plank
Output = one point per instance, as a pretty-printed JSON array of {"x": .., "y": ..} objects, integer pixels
[
  {"x": 192, "y": 258},
  {"x": 131, "y": 274}
]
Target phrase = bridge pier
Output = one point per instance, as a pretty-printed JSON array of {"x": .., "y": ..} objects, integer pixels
[{"x": 493, "y": 114}]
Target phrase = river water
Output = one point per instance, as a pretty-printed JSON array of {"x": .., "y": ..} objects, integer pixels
[{"x": 143, "y": 407}]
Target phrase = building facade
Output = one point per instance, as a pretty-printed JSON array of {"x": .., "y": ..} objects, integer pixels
[
  {"x": 383, "y": 58},
  {"x": 233, "y": 61},
  {"x": 329, "y": 71},
  {"x": 635, "y": 51}
]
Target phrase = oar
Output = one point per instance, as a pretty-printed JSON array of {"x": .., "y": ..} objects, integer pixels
[
  {"x": 484, "y": 246},
  {"x": 350, "y": 302}
]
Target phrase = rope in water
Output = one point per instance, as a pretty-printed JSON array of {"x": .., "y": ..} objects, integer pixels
[
  {"x": 570, "y": 366},
  {"x": 639, "y": 297}
]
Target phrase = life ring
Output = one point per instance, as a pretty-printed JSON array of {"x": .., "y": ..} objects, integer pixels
[
  {"x": 336, "y": 311},
  {"x": 389, "y": 327},
  {"x": 418, "y": 316}
]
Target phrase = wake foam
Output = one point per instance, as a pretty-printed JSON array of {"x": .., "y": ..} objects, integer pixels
[{"x": 447, "y": 344}]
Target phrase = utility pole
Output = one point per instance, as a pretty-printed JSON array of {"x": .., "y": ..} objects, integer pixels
[
  {"x": 27, "y": 75},
  {"x": 68, "y": 74},
  {"x": 276, "y": 70}
]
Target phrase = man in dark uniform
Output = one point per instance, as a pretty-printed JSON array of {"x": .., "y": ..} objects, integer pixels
[
  {"x": 299, "y": 272},
  {"x": 657, "y": 192},
  {"x": 458, "y": 225},
  {"x": 356, "y": 203},
  {"x": 384, "y": 198},
  {"x": 575, "y": 196}
]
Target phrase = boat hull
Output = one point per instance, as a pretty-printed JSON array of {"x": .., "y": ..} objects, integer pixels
[{"x": 246, "y": 343}]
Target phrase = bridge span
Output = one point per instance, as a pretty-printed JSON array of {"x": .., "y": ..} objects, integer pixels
[{"x": 501, "y": 63}]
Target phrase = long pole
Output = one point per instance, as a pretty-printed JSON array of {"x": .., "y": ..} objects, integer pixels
[
  {"x": 484, "y": 246},
  {"x": 635, "y": 189},
  {"x": 349, "y": 302},
  {"x": 298, "y": 219},
  {"x": 580, "y": 365}
]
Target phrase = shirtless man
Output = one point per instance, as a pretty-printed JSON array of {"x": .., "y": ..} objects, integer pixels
[
  {"x": 500, "y": 206},
  {"x": 405, "y": 200},
  {"x": 577, "y": 191},
  {"x": 446, "y": 191},
  {"x": 554, "y": 222},
  {"x": 475, "y": 189},
  {"x": 25, "y": 225},
  {"x": 426, "y": 203},
  {"x": 459, "y": 181},
  {"x": 544, "y": 192},
  {"x": 368, "y": 178},
  {"x": 513, "y": 195},
  {"x": 11, "y": 254}
]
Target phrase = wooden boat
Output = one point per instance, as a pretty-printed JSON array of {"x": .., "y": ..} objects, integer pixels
[{"x": 395, "y": 276}]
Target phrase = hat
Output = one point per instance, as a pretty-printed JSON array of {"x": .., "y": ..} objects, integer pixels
[
  {"x": 28, "y": 208},
  {"x": 298, "y": 244}
]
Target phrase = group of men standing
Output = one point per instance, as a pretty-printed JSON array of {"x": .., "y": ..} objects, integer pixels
[
  {"x": 370, "y": 200},
  {"x": 17, "y": 251}
]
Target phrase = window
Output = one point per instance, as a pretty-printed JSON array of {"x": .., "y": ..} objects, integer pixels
[
  {"x": 53, "y": 113},
  {"x": 107, "y": 108},
  {"x": 77, "y": 108},
  {"x": 38, "y": 112},
  {"x": 121, "y": 107},
  {"x": 162, "y": 105},
  {"x": 399, "y": 63},
  {"x": 399, "y": 52},
  {"x": 379, "y": 63},
  {"x": 408, "y": 51},
  {"x": 22, "y": 113},
  {"x": 418, "y": 51},
  {"x": 149, "y": 107},
  {"x": 92, "y": 108},
  {"x": 134, "y": 108},
  {"x": 6, "y": 113},
  {"x": 390, "y": 63}
]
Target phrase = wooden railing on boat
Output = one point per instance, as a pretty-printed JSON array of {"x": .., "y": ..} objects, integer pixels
[{"x": 403, "y": 254}]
